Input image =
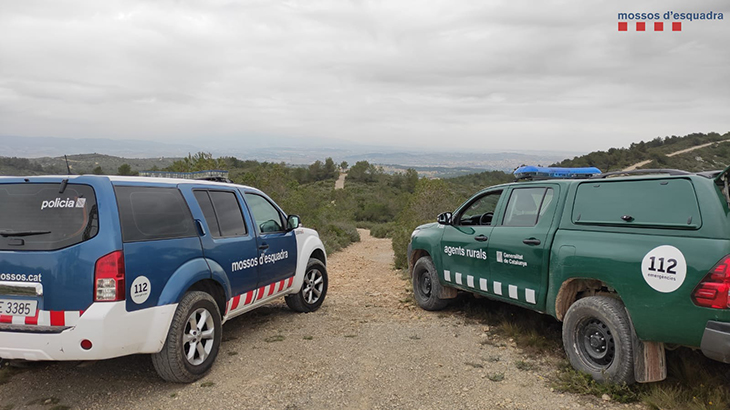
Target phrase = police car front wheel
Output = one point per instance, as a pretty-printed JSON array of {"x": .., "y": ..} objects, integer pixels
[
  {"x": 193, "y": 340},
  {"x": 313, "y": 291}
]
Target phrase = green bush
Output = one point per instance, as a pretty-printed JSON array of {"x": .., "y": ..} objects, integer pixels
[
  {"x": 430, "y": 198},
  {"x": 337, "y": 235},
  {"x": 365, "y": 224},
  {"x": 383, "y": 230}
]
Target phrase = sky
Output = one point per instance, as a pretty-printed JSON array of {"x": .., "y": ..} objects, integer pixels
[{"x": 453, "y": 75}]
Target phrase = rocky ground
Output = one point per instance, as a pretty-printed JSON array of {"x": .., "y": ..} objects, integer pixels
[{"x": 368, "y": 347}]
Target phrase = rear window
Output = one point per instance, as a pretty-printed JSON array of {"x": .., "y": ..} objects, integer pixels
[
  {"x": 669, "y": 203},
  {"x": 151, "y": 213},
  {"x": 39, "y": 217}
]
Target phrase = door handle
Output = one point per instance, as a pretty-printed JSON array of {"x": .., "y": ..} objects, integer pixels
[
  {"x": 199, "y": 224},
  {"x": 481, "y": 238},
  {"x": 531, "y": 241},
  {"x": 264, "y": 246}
]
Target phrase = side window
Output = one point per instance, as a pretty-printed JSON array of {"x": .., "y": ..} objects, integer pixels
[
  {"x": 549, "y": 195},
  {"x": 208, "y": 213},
  {"x": 222, "y": 213},
  {"x": 526, "y": 205},
  {"x": 229, "y": 214},
  {"x": 481, "y": 210},
  {"x": 150, "y": 213},
  {"x": 266, "y": 216}
]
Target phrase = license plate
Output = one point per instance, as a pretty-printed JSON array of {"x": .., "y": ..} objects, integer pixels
[{"x": 18, "y": 307}]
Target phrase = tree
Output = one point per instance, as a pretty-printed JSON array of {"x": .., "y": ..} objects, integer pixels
[
  {"x": 410, "y": 180},
  {"x": 343, "y": 165},
  {"x": 199, "y": 162},
  {"x": 316, "y": 171},
  {"x": 125, "y": 169},
  {"x": 98, "y": 170},
  {"x": 364, "y": 171},
  {"x": 330, "y": 169}
]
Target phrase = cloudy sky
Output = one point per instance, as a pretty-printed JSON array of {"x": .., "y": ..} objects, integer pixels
[{"x": 479, "y": 75}]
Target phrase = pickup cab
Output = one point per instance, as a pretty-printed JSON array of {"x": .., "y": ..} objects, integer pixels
[{"x": 629, "y": 263}]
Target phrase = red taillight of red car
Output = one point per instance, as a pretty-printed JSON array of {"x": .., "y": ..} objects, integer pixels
[
  {"x": 109, "y": 277},
  {"x": 713, "y": 291}
]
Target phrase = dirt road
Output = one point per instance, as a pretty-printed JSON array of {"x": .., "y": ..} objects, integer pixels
[
  {"x": 368, "y": 347},
  {"x": 340, "y": 183}
]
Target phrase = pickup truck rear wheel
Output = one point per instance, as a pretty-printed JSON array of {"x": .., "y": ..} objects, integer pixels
[
  {"x": 193, "y": 340},
  {"x": 313, "y": 291},
  {"x": 426, "y": 285},
  {"x": 597, "y": 339}
]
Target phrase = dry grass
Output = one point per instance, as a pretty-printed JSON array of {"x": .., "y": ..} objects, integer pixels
[{"x": 694, "y": 382}]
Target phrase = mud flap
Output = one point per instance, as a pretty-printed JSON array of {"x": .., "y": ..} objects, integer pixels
[
  {"x": 447, "y": 292},
  {"x": 650, "y": 363}
]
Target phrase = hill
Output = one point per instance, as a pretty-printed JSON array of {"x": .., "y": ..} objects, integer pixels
[
  {"x": 79, "y": 164},
  {"x": 658, "y": 153}
]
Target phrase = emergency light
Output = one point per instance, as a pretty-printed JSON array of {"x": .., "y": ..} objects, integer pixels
[{"x": 533, "y": 172}]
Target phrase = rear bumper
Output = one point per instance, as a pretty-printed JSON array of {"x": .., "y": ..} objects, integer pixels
[
  {"x": 716, "y": 341},
  {"x": 112, "y": 331}
]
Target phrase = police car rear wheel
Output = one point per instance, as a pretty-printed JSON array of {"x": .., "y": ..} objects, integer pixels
[
  {"x": 313, "y": 291},
  {"x": 193, "y": 340},
  {"x": 426, "y": 285},
  {"x": 597, "y": 339}
]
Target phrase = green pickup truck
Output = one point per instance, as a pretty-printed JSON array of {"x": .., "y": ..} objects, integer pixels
[{"x": 627, "y": 262}]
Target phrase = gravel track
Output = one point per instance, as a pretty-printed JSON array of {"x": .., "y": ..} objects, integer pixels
[{"x": 368, "y": 347}]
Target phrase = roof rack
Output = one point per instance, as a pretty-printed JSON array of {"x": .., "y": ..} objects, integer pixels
[
  {"x": 216, "y": 175},
  {"x": 642, "y": 172},
  {"x": 710, "y": 174}
]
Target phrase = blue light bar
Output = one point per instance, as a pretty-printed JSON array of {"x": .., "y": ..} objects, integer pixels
[{"x": 533, "y": 172}]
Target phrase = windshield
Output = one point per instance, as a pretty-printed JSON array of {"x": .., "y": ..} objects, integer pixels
[{"x": 39, "y": 217}]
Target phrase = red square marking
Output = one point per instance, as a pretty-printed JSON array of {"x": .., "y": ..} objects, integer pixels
[
  {"x": 658, "y": 26},
  {"x": 640, "y": 26},
  {"x": 58, "y": 318},
  {"x": 677, "y": 26},
  {"x": 623, "y": 26}
]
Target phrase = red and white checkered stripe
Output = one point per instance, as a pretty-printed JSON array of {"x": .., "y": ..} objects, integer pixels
[
  {"x": 46, "y": 318},
  {"x": 248, "y": 298}
]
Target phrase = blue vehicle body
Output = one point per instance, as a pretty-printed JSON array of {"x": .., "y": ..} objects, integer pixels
[{"x": 168, "y": 248}]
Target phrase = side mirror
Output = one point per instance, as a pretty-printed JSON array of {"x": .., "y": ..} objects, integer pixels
[
  {"x": 293, "y": 222},
  {"x": 444, "y": 218}
]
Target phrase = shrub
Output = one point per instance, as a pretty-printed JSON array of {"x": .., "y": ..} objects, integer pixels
[{"x": 383, "y": 230}]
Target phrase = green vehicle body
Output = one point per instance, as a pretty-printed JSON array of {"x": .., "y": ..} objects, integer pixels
[{"x": 592, "y": 238}]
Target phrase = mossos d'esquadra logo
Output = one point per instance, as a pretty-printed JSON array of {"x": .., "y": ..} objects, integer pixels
[
  {"x": 63, "y": 203},
  {"x": 657, "y": 20}
]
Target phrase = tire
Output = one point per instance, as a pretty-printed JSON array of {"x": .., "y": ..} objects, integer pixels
[
  {"x": 426, "y": 285},
  {"x": 597, "y": 339},
  {"x": 193, "y": 340},
  {"x": 314, "y": 288}
]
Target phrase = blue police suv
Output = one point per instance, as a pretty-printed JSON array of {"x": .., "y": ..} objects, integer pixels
[{"x": 95, "y": 267}]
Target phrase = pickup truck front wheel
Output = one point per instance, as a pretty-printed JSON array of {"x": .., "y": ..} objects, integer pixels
[
  {"x": 426, "y": 285},
  {"x": 597, "y": 339}
]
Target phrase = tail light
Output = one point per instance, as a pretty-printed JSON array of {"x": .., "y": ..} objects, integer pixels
[
  {"x": 109, "y": 277},
  {"x": 713, "y": 291}
]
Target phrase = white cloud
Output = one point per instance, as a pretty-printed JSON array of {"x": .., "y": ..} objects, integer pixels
[{"x": 487, "y": 74}]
